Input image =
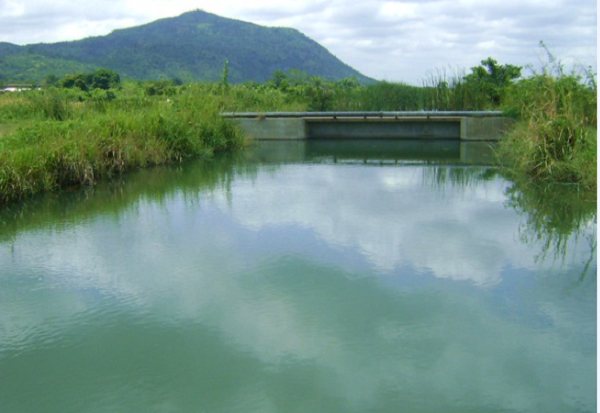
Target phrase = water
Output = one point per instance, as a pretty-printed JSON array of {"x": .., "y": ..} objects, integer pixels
[{"x": 299, "y": 277}]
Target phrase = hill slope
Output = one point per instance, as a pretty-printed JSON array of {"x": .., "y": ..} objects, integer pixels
[{"x": 193, "y": 46}]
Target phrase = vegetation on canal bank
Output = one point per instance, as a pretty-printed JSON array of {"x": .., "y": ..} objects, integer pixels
[
  {"x": 58, "y": 141},
  {"x": 555, "y": 140},
  {"x": 89, "y": 126}
]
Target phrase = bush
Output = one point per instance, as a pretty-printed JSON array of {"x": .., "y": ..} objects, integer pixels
[{"x": 555, "y": 139}]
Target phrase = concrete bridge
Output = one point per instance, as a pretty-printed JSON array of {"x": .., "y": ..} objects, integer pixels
[{"x": 463, "y": 125}]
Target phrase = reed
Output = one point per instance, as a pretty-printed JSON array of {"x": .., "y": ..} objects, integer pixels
[
  {"x": 453, "y": 89},
  {"x": 555, "y": 138},
  {"x": 62, "y": 143},
  {"x": 391, "y": 96}
]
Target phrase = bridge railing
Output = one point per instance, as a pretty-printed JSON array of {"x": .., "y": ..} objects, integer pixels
[{"x": 370, "y": 114}]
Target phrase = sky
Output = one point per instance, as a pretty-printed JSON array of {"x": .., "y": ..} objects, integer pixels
[{"x": 394, "y": 40}]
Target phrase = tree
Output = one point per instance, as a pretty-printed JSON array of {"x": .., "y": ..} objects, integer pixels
[
  {"x": 68, "y": 81},
  {"x": 492, "y": 79},
  {"x": 104, "y": 79},
  {"x": 100, "y": 79},
  {"x": 74, "y": 81},
  {"x": 279, "y": 80},
  {"x": 348, "y": 83},
  {"x": 51, "y": 80},
  {"x": 320, "y": 93}
]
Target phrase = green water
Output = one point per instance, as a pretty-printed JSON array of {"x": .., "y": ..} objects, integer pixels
[{"x": 298, "y": 277}]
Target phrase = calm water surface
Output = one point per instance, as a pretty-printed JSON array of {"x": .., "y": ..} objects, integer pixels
[{"x": 298, "y": 277}]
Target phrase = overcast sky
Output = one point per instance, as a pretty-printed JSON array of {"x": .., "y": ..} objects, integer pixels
[{"x": 396, "y": 40}]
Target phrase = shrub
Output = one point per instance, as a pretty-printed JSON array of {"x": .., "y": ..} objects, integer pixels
[{"x": 556, "y": 136}]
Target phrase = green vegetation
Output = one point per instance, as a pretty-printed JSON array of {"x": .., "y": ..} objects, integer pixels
[
  {"x": 556, "y": 138},
  {"x": 110, "y": 196},
  {"x": 100, "y": 79},
  {"x": 65, "y": 138},
  {"x": 493, "y": 79},
  {"x": 96, "y": 125}
]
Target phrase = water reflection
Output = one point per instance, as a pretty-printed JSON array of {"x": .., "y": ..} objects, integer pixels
[
  {"x": 286, "y": 285},
  {"x": 372, "y": 151},
  {"x": 556, "y": 216}
]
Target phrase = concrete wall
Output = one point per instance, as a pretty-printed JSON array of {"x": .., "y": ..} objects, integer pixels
[
  {"x": 485, "y": 128},
  {"x": 383, "y": 129},
  {"x": 273, "y": 128},
  {"x": 464, "y": 128},
  {"x": 477, "y": 152},
  {"x": 371, "y": 151}
]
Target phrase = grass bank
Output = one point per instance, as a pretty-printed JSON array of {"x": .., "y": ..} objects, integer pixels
[
  {"x": 555, "y": 139},
  {"x": 61, "y": 141}
]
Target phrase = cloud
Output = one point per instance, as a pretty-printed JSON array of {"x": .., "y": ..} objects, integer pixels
[
  {"x": 463, "y": 249},
  {"x": 169, "y": 264},
  {"x": 397, "y": 40}
]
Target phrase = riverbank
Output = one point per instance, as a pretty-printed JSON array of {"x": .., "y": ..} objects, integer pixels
[
  {"x": 555, "y": 139},
  {"x": 62, "y": 142},
  {"x": 59, "y": 137}
]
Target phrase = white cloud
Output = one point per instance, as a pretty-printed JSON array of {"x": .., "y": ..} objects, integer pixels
[
  {"x": 434, "y": 232},
  {"x": 385, "y": 39},
  {"x": 171, "y": 261},
  {"x": 163, "y": 276}
]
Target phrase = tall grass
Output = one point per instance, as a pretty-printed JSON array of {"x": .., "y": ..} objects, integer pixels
[
  {"x": 556, "y": 137},
  {"x": 62, "y": 142},
  {"x": 451, "y": 91},
  {"x": 109, "y": 196},
  {"x": 440, "y": 91}
]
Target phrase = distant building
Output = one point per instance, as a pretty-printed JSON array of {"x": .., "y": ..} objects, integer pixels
[{"x": 17, "y": 88}]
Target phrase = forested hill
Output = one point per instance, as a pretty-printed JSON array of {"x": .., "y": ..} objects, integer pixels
[{"x": 190, "y": 47}]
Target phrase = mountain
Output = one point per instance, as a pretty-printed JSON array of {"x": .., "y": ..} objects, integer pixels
[{"x": 191, "y": 47}]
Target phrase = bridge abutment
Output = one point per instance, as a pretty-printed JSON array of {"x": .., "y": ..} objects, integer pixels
[{"x": 485, "y": 128}]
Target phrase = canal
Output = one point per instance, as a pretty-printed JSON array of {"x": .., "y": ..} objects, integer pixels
[{"x": 301, "y": 277}]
